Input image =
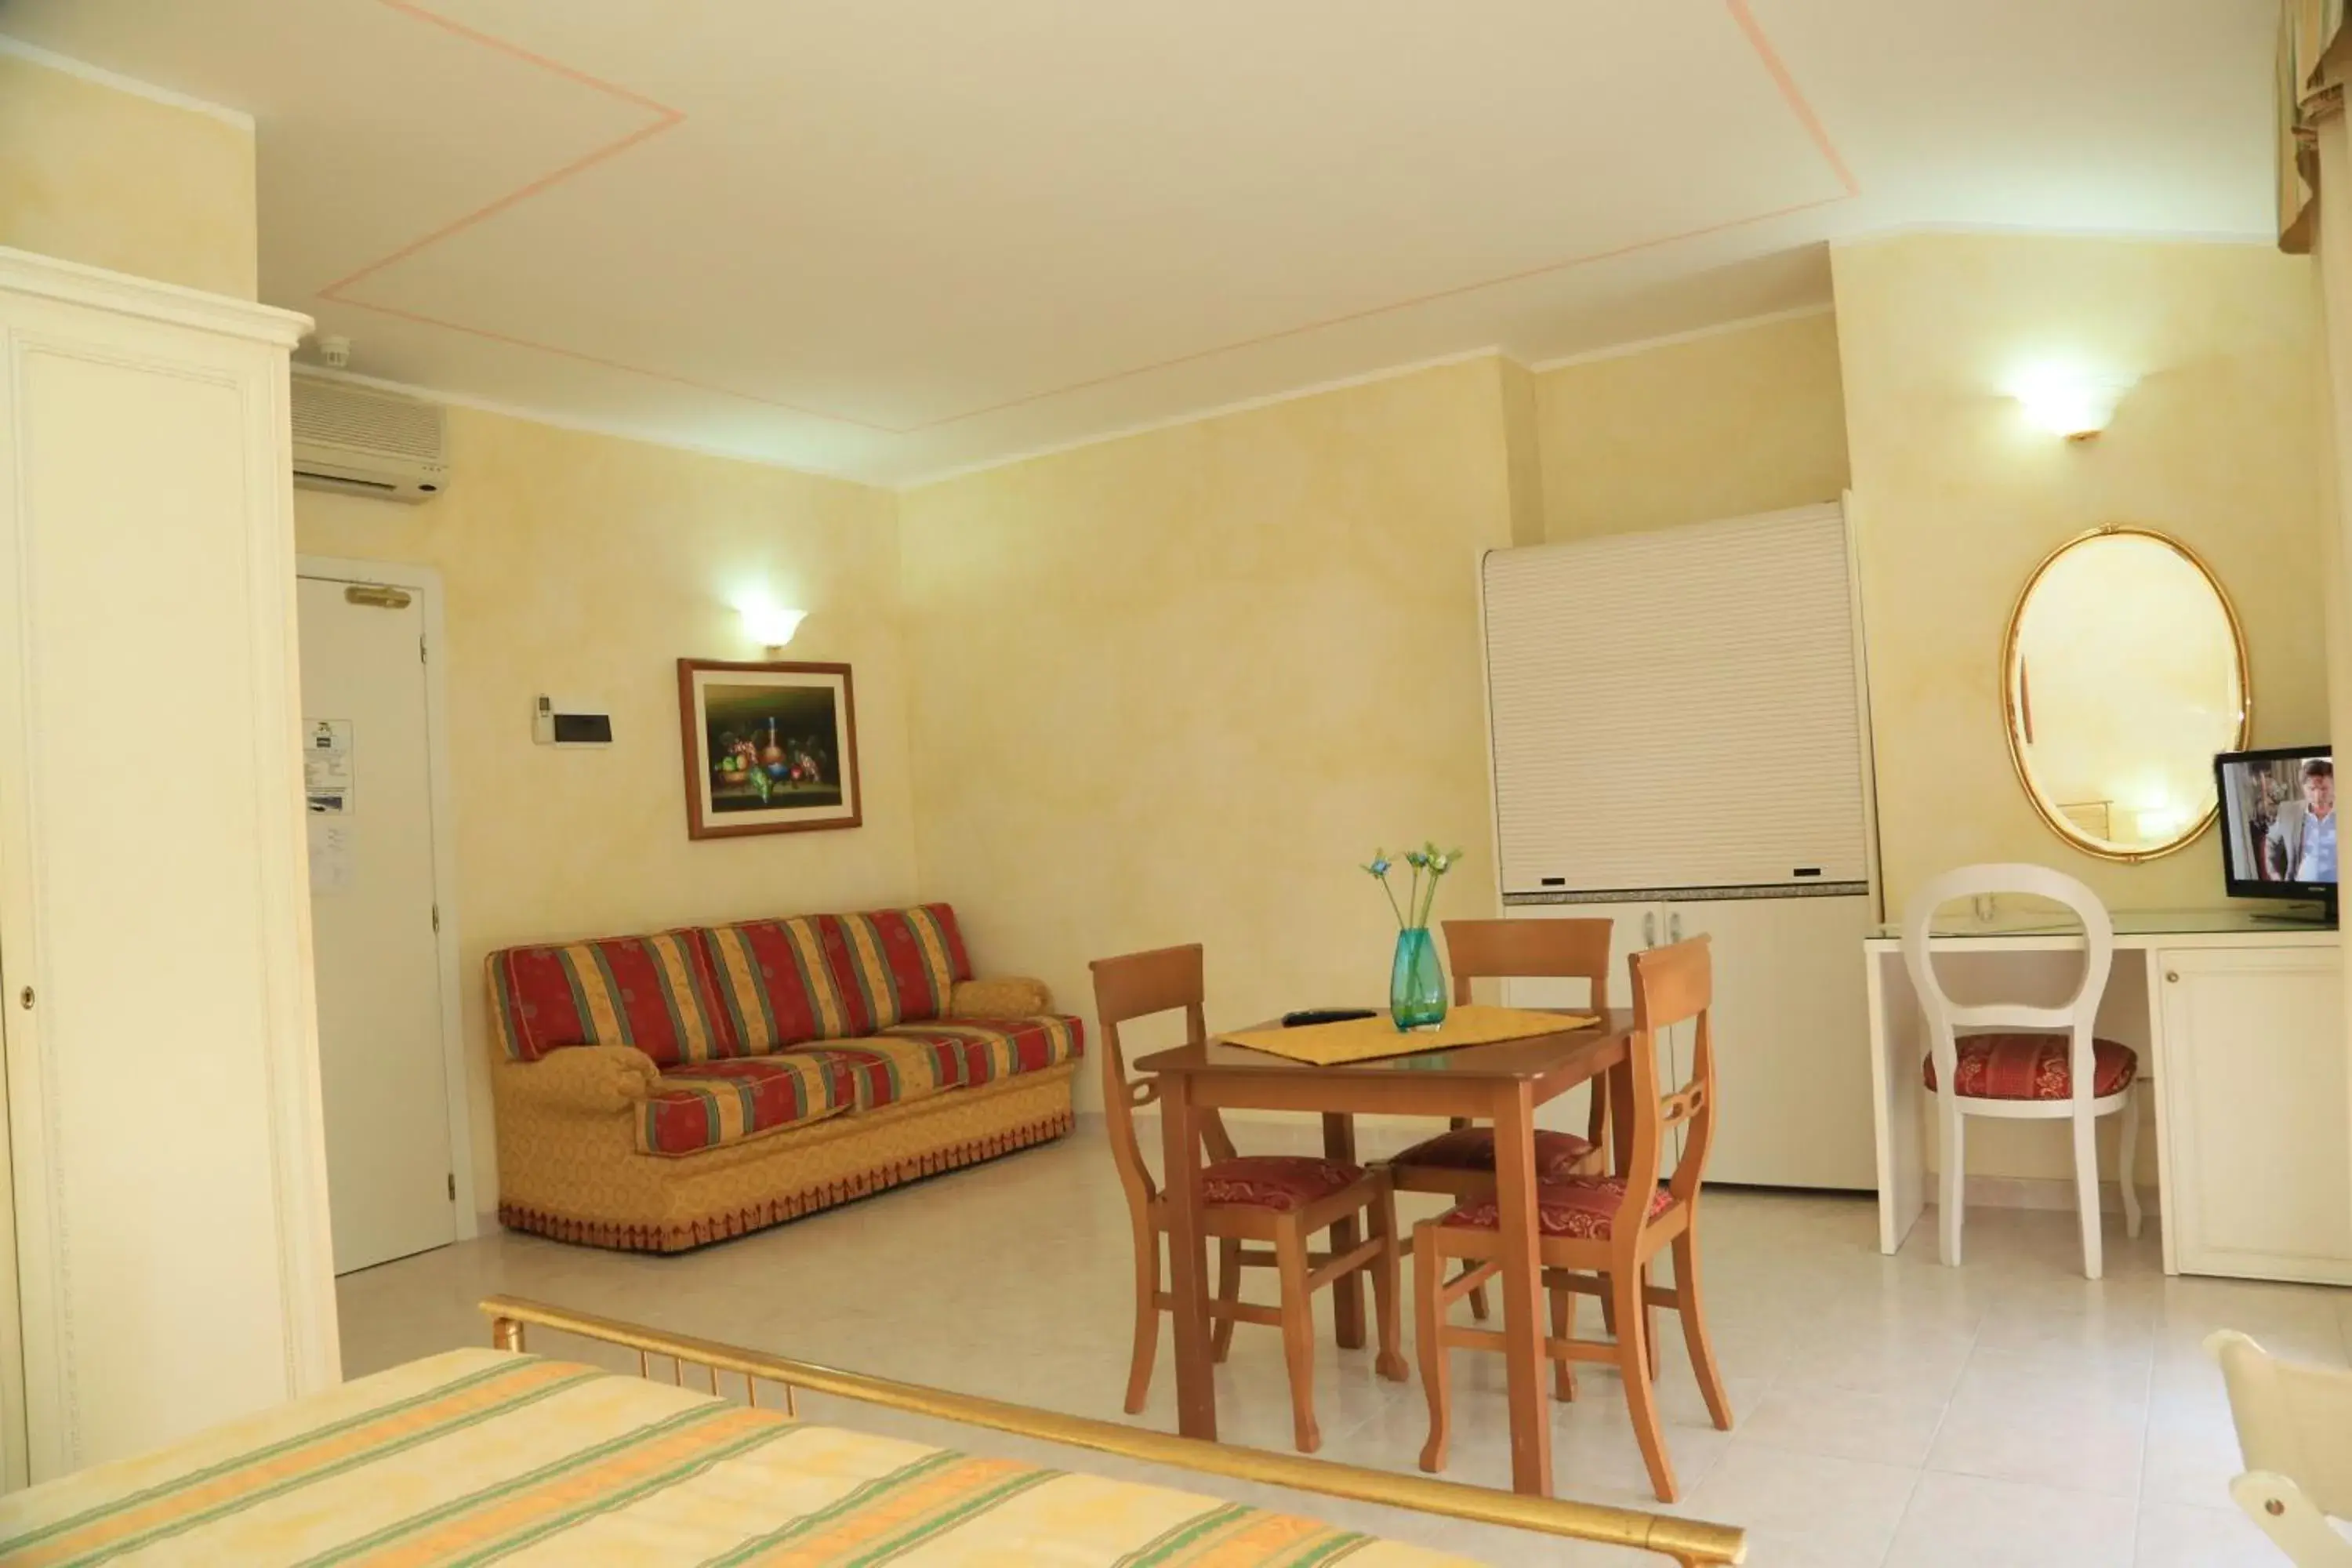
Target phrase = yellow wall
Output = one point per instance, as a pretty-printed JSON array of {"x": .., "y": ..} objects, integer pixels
[
  {"x": 584, "y": 565},
  {"x": 1735, "y": 422},
  {"x": 93, "y": 173},
  {"x": 2220, "y": 444},
  {"x": 1174, "y": 687}
]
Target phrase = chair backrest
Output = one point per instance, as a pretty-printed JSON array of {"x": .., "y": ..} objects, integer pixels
[
  {"x": 1671, "y": 985},
  {"x": 1519, "y": 950},
  {"x": 1535, "y": 950},
  {"x": 1141, "y": 985},
  {"x": 2294, "y": 1429},
  {"x": 2078, "y": 1014}
]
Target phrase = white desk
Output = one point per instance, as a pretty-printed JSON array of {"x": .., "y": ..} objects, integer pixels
[{"x": 2240, "y": 1023}]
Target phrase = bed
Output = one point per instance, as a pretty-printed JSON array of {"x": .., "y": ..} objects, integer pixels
[{"x": 498, "y": 1455}]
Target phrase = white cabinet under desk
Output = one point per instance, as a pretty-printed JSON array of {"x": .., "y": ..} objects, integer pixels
[{"x": 2239, "y": 1024}]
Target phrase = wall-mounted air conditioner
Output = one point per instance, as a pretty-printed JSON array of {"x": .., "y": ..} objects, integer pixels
[{"x": 364, "y": 441}]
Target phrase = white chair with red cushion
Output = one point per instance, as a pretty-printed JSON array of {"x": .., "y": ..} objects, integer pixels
[
  {"x": 2024, "y": 1062},
  {"x": 1278, "y": 1201}
]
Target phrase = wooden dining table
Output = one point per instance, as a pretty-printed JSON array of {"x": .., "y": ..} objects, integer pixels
[{"x": 1501, "y": 1084}]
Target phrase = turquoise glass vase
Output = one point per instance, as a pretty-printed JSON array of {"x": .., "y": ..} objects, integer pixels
[{"x": 1416, "y": 983}]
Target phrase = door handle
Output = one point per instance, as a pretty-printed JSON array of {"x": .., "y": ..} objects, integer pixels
[
  {"x": 1649, "y": 928},
  {"x": 1675, "y": 926}
]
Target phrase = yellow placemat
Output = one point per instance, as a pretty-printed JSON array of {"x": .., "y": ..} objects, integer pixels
[{"x": 1370, "y": 1039}]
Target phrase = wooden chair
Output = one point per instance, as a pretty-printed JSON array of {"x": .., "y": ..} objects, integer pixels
[
  {"x": 1460, "y": 1163},
  {"x": 1276, "y": 1200},
  {"x": 2294, "y": 1432},
  {"x": 1597, "y": 1235},
  {"x": 2015, "y": 1065}
]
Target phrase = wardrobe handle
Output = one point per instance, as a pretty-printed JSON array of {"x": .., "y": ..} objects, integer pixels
[
  {"x": 1649, "y": 928},
  {"x": 25, "y": 997}
]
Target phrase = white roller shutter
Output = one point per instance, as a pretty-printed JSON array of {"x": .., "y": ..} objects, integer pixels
[{"x": 1677, "y": 710}]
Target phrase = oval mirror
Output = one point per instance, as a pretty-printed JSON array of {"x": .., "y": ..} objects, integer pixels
[{"x": 2125, "y": 672}]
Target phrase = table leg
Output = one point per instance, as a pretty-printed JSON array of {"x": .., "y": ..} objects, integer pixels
[
  {"x": 1188, "y": 1282},
  {"x": 1348, "y": 1291},
  {"x": 1619, "y": 1083},
  {"x": 1524, "y": 1322}
]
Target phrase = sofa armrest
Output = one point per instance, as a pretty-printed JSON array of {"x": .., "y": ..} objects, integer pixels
[
  {"x": 584, "y": 1079},
  {"x": 1009, "y": 996}
]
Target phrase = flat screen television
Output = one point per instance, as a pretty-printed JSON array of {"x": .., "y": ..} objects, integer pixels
[{"x": 2278, "y": 825}]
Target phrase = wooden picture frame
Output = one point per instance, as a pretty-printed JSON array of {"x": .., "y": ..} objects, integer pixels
[{"x": 768, "y": 748}]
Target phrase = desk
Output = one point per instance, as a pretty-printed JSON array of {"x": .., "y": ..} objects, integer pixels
[
  {"x": 2238, "y": 1021},
  {"x": 1500, "y": 1083}
]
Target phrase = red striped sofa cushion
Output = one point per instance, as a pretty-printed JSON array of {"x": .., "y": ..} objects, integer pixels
[
  {"x": 705, "y": 1104},
  {"x": 651, "y": 992},
  {"x": 775, "y": 983},
  {"x": 964, "y": 1053},
  {"x": 898, "y": 966}
]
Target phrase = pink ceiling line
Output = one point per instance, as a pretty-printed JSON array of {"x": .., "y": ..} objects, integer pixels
[{"x": 667, "y": 116}]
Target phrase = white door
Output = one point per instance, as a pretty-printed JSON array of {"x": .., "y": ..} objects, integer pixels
[
  {"x": 2254, "y": 1079},
  {"x": 367, "y": 773},
  {"x": 1791, "y": 1040}
]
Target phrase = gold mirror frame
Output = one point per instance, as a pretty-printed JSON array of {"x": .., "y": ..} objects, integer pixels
[{"x": 2012, "y": 722}]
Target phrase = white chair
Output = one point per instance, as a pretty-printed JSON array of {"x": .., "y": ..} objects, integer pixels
[
  {"x": 2294, "y": 1429},
  {"x": 2007, "y": 1060}
]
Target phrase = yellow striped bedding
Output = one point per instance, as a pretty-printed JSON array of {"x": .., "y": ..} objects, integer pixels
[{"x": 477, "y": 1456}]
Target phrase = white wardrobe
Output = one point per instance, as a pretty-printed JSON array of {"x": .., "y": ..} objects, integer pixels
[
  {"x": 166, "y": 1261},
  {"x": 1679, "y": 745}
]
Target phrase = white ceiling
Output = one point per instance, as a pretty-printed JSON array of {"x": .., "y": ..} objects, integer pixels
[{"x": 893, "y": 238}]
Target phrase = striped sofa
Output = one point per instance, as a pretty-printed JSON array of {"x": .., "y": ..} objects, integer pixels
[{"x": 657, "y": 1092}]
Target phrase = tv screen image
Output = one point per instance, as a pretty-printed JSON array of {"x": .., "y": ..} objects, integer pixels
[{"x": 2278, "y": 822}]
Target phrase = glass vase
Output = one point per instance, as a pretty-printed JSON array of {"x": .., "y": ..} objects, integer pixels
[{"x": 1416, "y": 983}]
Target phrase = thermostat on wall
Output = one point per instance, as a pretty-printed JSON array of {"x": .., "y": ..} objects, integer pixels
[{"x": 570, "y": 722}]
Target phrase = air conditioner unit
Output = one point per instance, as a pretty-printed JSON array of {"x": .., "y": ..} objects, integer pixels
[{"x": 364, "y": 441}]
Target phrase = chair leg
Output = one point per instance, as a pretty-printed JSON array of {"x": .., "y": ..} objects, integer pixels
[
  {"x": 1147, "y": 1317},
  {"x": 2087, "y": 1192},
  {"x": 1478, "y": 1303},
  {"x": 1429, "y": 1339},
  {"x": 1229, "y": 1294},
  {"x": 1388, "y": 1290},
  {"x": 1563, "y": 1321},
  {"x": 1297, "y": 1332},
  {"x": 2128, "y": 1159},
  {"x": 1955, "y": 1159},
  {"x": 1641, "y": 1394},
  {"x": 1649, "y": 1323},
  {"x": 1702, "y": 1349}
]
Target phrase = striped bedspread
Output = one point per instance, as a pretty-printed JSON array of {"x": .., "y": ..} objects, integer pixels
[{"x": 480, "y": 1457}]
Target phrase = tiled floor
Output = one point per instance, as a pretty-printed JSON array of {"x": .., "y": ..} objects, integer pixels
[{"x": 1889, "y": 1411}]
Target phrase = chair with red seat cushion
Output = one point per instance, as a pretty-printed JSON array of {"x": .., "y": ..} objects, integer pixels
[
  {"x": 1583, "y": 1208},
  {"x": 1282, "y": 1182},
  {"x": 2032, "y": 1067},
  {"x": 2021, "y": 1061},
  {"x": 1598, "y": 1235},
  {"x": 1276, "y": 1200},
  {"x": 1460, "y": 1162}
]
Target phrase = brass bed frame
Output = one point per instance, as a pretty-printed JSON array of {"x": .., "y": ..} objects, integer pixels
[{"x": 1692, "y": 1543}]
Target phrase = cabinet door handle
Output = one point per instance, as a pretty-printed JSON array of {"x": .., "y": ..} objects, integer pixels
[
  {"x": 2172, "y": 977},
  {"x": 1675, "y": 926},
  {"x": 1649, "y": 928},
  {"x": 25, "y": 997}
]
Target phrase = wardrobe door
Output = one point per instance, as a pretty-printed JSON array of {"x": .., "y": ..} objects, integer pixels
[{"x": 153, "y": 938}]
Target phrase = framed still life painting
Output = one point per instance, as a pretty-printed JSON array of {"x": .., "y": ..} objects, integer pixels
[{"x": 770, "y": 748}]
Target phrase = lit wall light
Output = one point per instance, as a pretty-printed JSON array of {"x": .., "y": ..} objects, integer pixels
[
  {"x": 2068, "y": 400},
  {"x": 768, "y": 624}
]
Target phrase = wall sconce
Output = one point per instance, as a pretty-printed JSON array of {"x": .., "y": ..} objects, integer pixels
[
  {"x": 767, "y": 622},
  {"x": 2067, "y": 400}
]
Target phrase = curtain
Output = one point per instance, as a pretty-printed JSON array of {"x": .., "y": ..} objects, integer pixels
[{"x": 2312, "y": 68}]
